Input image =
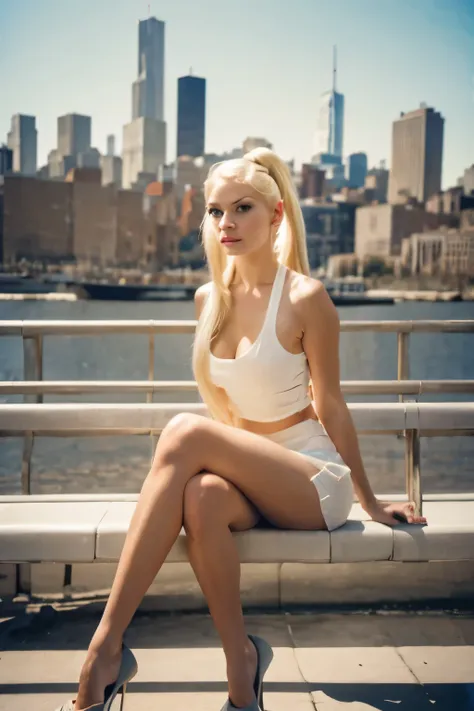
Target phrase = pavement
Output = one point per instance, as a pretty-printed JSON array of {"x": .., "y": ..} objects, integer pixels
[{"x": 328, "y": 660}]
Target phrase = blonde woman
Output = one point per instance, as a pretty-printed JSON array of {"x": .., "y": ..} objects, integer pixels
[{"x": 267, "y": 338}]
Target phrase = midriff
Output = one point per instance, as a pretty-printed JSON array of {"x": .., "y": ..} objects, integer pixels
[{"x": 270, "y": 427}]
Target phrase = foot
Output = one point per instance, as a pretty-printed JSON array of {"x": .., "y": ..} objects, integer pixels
[
  {"x": 241, "y": 677},
  {"x": 100, "y": 669}
]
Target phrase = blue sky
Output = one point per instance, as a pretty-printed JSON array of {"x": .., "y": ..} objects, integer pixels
[{"x": 266, "y": 63}]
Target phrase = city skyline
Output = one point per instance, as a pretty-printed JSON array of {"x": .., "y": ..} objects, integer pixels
[{"x": 425, "y": 57}]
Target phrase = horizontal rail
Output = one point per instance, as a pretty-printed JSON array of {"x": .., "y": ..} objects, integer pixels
[
  {"x": 133, "y": 417},
  {"x": 350, "y": 387},
  {"x": 135, "y": 431},
  {"x": 75, "y": 328},
  {"x": 95, "y": 496}
]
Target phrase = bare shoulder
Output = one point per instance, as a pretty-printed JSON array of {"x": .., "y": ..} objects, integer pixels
[
  {"x": 310, "y": 298},
  {"x": 200, "y": 296}
]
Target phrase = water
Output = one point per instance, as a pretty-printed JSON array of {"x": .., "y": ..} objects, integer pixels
[{"x": 119, "y": 463}]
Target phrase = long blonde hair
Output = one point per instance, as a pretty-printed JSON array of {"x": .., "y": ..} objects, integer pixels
[{"x": 269, "y": 175}]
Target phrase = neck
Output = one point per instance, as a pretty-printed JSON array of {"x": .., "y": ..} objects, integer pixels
[{"x": 251, "y": 274}]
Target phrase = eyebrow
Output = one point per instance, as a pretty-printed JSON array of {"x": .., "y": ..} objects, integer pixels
[{"x": 216, "y": 204}]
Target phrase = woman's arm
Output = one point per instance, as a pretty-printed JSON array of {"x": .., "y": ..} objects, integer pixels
[{"x": 321, "y": 345}]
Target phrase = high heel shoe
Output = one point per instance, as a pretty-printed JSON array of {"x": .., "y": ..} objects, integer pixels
[
  {"x": 128, "y": 669},
  {"x": 264, "y": 658}
]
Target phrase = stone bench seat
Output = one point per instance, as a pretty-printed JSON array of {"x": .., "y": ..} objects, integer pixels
[
  {"x": 67, "y": 533},
  {"x": 91, "y": 529}
]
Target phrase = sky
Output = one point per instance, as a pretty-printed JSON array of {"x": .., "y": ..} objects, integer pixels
[{"x": 266, "y": 63}]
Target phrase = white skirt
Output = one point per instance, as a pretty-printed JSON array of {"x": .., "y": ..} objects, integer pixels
[{"x": 333, "y": 479}]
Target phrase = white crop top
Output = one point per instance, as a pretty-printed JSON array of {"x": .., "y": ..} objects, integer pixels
[{"x": 267, "y": 383}]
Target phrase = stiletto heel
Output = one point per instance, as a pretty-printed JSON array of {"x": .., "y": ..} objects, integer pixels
[
  {"x": 122, "y": 701},
  {"x": 264, "y": 658},
  {"x": 128, "y": 669}
]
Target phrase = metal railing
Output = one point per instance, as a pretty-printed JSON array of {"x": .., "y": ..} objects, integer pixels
[{"x": 33, "y": 387}]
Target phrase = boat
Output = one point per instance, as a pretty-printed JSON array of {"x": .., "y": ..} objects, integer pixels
[
  {"x": 107, "y": 291},
  {"x": 24, "y": 284},
  {"x": 351, "y": 291}
]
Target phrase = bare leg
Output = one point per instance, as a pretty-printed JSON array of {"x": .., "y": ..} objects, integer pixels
[
  {"x": 275, "y": 479},
  {"x": 212, "y": 507},
  {"x": 155, "y": 525}
]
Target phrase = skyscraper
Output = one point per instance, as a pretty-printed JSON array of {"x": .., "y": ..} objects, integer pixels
[
  {"x": 330, "y": 129},
  {"x": 191, "y": 116},
  {"x": 22, "y": 140},
  {"x": 417, "y": 155},
  {"x": 357, "y": 170},
  {"x": 144, "y": 138},
  {"x": 74, "y": 134},
  {"x": 148, "y": 89},
  {"x": 6, "y": 160},
  {"x": 111, "y": 145}
]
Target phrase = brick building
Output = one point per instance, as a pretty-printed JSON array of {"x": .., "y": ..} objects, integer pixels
[
  {"x": 37, "y": 219},
  {"x": 81, "y": 220},
  {"x": 380, "y": 229}
]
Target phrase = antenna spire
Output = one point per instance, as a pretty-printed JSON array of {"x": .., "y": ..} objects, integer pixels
[{"x": 334, "y": 68}]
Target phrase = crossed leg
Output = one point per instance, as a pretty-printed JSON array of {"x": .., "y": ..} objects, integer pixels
[{"x": 265, "y": 476}]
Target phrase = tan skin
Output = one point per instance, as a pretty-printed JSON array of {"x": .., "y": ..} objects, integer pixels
[{"x": 214, "y": 478}]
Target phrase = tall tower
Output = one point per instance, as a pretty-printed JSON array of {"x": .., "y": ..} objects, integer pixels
[
  {"x": 357, "y": 169},
  {"x": 144, "y": 138},
  {"x": 330, "y": 130},
  {"x": 74, "y": 134},
  {"x": 191, "y": 116},
  {"x": 111, "y": 145},
  {"x": 22, "y": 140},
  {"x": 417, "y": 155},
  {"x": 148, "y": 89}
]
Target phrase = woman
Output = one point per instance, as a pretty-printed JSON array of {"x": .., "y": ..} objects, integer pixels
[{"x": 268, "y": 454}]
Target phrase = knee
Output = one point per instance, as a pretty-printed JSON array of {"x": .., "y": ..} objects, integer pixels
[
  {"x": 183, "y": 425},
  {"x": 203, "y": 503},
  {"x": 178, "y": 436}
]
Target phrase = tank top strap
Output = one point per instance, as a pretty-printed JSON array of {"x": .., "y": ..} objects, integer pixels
[{"x": 275, "y": 297}]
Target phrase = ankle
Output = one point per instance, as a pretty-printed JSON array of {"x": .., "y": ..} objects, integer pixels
[
  {"x": 250, "y": 650},
  {"x": 105, "y": 644}
]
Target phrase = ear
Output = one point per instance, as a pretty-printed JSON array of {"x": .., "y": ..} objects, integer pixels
[{"x": 278, "y": 213}]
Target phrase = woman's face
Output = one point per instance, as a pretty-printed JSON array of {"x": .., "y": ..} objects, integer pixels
[{"x": 241, "y": 217}]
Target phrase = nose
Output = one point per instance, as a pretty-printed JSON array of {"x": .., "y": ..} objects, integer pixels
[{"x": 225, "y": 222}]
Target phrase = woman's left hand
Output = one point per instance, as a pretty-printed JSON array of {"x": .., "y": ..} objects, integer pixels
[{"x": 382, "y": 512}]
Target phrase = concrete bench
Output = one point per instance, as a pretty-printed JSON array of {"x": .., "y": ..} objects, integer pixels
[{"x": 90, "y": 529}]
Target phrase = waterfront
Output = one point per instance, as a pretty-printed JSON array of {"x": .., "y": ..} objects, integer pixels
[{"x": 113, "y": 464}]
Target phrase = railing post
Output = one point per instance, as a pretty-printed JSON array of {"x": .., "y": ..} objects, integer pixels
[
  {"x": 403, "y": 373},
  {"x": 151, "y": 376},
  {"x": 413, "y": 469},
  {"x": 151, "y": 364},
  {"x": 403, "y": 364},
  {"x": 32, "y": 370}
]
